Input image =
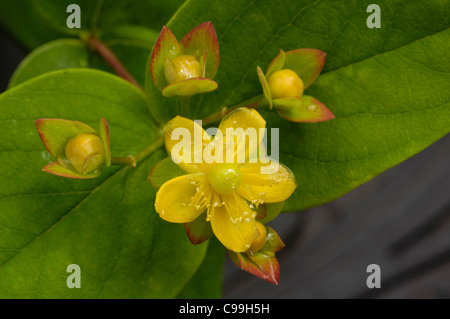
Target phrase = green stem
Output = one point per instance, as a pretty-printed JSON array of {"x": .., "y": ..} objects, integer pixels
[
  {"x": 134, "y": 160},
  {"x": 129, "y": 160},
  {"x": 149, "y": 149},
  {"x": 185, "y": 102}
]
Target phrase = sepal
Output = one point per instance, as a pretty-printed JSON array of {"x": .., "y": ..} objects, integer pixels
[
  {"x": 262, "y": 263},
  {"x": 306, "y": 110},
  {"x": 199, "y": 230}
]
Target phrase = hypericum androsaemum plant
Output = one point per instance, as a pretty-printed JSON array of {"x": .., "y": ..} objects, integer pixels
[{"x": 376, "y": 117}]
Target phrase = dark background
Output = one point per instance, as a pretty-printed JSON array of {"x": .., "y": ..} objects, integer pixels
[{"x": 399, "y": 220}]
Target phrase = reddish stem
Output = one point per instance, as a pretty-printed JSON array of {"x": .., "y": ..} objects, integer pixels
[{"x": 106, "y": 53}]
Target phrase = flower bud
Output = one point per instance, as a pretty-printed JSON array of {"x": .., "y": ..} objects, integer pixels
[
  {"x": 185, "y": 67},
  {"x": 86, "y": 152},
  {"x": 285, "y": 83},
  {"x": 260, "y": 240}
]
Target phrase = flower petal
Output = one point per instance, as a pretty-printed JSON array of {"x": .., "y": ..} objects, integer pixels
[
  {"x": 266, "y": 183},
  {"x": 243, "y": 131},
  {"x": 307, "y": 63},
  {"x": 234, "y": 223},
  {"x": 165, "y": 47},
  {"x": 185, "y": 141},
  {"x": 200, "y": 40},
  {"x": 180, "y": 200}
]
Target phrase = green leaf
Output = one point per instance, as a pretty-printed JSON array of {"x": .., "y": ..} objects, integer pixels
[
  {"x": 21, "y": 20},
  {"x": 52, "y": 56},
  {"x": 164, "y": 171},
  {"x": 71, "y": 53},
  {"x": 208, "y": 280},
  {"x": 35, "y": 22},
  {"x": 106, "y": 14},
  {"x": 388, "y": 87},
  {"x": 107, "y": 225}
]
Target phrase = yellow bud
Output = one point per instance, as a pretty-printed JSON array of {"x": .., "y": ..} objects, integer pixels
[
  {"x": 285, "y": 83},
  {"x": 260, "y": 240},
  {"x": 186, "y": 67},
  {"x": 85, "y": 152}
]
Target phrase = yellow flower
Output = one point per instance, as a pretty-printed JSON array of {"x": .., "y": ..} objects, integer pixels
[{"x": 228, "y": 192}]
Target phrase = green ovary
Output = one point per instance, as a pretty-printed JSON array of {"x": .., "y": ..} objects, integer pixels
[{"x": 224, "y": 178}]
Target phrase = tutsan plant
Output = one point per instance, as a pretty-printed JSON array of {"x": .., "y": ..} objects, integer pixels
[{"x": 143, "y": 214}]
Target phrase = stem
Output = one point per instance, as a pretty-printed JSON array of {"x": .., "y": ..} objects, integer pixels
[
  {"x": 133, "y": 160},
  {"x": 149, "y": 149},
  {"x": 106, "y": 53},
  {"x": 129, "y": 160},
  {"x": 185, "y": 102}
]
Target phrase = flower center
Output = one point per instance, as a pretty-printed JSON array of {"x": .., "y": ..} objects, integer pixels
[
  {"x": 224, "y": 178},
  {"x": 186, "y": 67},
  {"x": 85, "y": 152},
  {"x": 285, "y": 83}
]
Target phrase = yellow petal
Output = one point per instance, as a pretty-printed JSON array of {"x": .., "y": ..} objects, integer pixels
[
  {"x": 266, "y": 183},
  {"x": 185, "y": 141},
  {"x": 182, "y": 199},
  {"x": 245, "y": 128},
  {"x": 234, "y": 223}
]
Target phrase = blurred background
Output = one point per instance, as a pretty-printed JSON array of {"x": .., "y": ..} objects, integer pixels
[{"x": 400, "y": 221}]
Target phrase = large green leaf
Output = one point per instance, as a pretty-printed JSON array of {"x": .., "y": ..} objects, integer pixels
[
  {"x": 52, "y": 56},
  {"x": 106, "y": 14},
  {"x": 387, "y": 87},
  {"x": 73, "y": 53},
  {"x": 107, "y": 225},
  {"x": 35, "y": 22},
  {"x": 208, "y": 280},
  {"x": 24, "y": 23}
]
